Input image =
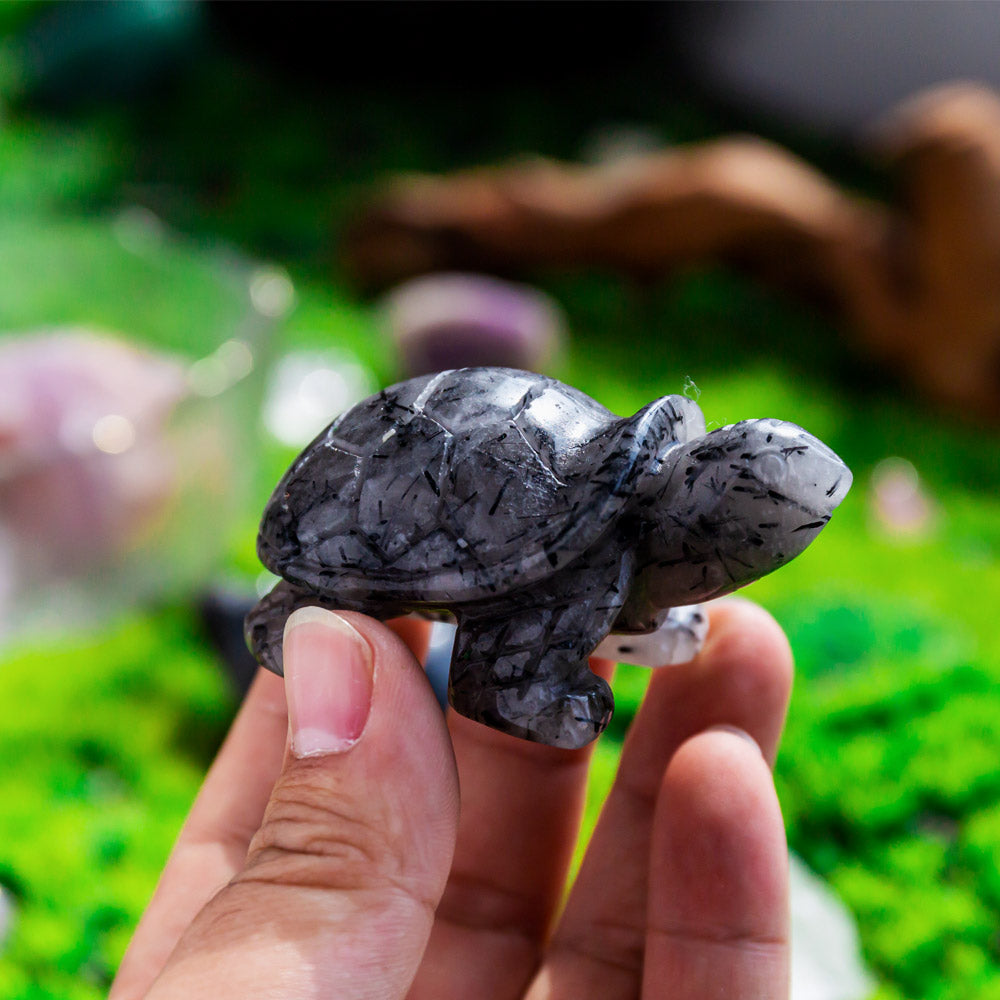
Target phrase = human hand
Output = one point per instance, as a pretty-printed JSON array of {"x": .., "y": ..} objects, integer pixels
[{"x": 349, "y": 874}]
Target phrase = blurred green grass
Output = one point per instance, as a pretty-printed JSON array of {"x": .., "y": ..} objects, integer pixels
[{"x": 888, "y": 775}]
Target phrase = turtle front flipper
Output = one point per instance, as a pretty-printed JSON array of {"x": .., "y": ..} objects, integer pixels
[
  {"x": 520, "y": 665},
  {"x": 264, "y": 627}
]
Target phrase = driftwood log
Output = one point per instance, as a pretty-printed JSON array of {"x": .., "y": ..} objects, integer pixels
[{"x": 918, "y": 281}]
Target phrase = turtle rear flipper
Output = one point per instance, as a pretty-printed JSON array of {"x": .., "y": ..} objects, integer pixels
[{"x": 543, "y": 695}]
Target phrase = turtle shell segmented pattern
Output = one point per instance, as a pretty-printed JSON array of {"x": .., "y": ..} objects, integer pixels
[{"x": 457, "y": 486}]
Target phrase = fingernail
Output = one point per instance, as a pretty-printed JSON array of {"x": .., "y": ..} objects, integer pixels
[
  {"x": 736, "y": 731},
  {"x": 328, "y": 682}
]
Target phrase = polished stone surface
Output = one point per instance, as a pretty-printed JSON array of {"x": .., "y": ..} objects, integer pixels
[{"x": 540, "y": 521}]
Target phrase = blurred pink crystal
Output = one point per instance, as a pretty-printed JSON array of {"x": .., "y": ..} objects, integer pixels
[
  {"x": 84, "y": 466},
  {"x": 456, "y": 320},
  {"x": 900, "y": 505}
]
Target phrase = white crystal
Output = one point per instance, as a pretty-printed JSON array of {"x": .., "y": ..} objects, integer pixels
[
  {"x": 6, "y": 916},
  {"x": 677, "y": 640},
  {"x": 826, "y": 955}
]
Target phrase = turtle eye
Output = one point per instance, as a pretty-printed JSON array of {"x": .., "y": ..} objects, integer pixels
[
  {"x": 771, "y": 468},
  {"x": 793, "y": 466}
]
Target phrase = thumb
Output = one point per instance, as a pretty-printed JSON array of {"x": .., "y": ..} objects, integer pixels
[{"x": 338, "y": 893}]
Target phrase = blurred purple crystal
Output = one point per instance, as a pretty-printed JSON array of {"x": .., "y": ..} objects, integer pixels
[{"x": 455, "y": 320}]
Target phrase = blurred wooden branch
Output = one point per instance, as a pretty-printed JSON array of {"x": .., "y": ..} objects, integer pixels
[{"x": 918, "y": 281}]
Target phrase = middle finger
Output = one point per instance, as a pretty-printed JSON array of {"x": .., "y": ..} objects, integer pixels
[{"x": 521, "y": 807}]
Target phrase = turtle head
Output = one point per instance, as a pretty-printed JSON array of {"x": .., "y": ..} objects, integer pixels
[{"x": 735, "y": 505}]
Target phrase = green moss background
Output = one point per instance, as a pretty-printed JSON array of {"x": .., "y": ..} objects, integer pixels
[{"x": 889, "y": 774}]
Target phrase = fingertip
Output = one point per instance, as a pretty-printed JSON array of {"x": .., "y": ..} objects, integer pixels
[
  {"x": 405, "y": 712},
  {"x": 709, "y": 768},
  {"x": 742, "y": 677},
  {"x": 329, "y": 667},
  {"x": 718, "y": 886},
  {"x": 719, "y": 839},
  {"x": 403, "y": 737},
  {"x": 736, "y": 731},
  {"x": 741, "y": 629},
  {"x": 748, "y": 647}
]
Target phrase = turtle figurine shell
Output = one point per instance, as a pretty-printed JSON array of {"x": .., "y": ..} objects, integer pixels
[{"x": 541, "y": 522}]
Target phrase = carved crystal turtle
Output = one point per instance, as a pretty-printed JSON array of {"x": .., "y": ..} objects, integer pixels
[{"x": 541, "y": 522}]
